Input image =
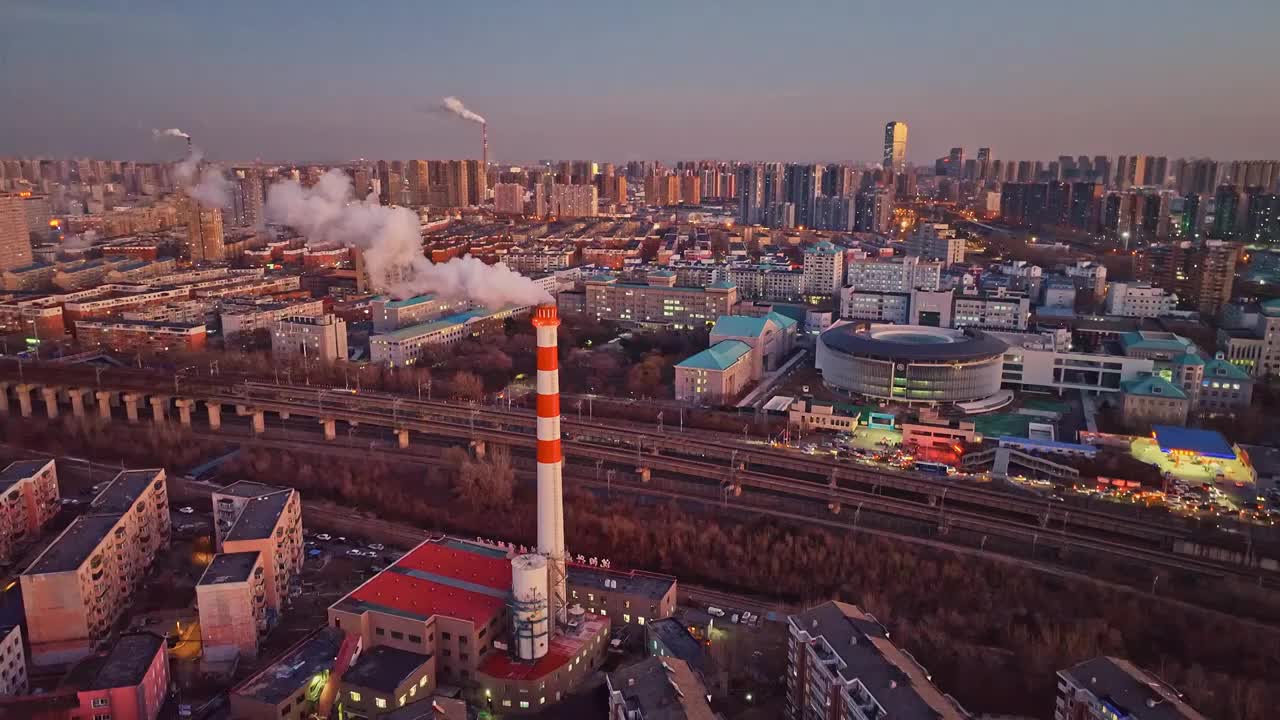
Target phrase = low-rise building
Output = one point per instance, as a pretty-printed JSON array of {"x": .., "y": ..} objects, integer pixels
[
  {"x": 403, "y": 347},
  {"x": 716, "y": 375},
  {"x": 809, "y": 415},
  {"x": 290, "y": 688},
  {"x": 659, "y": 688},
  {"x": 658, "y": 304},
  {"x": 898, "y": 275},
  {"x": 231, "y": 598},
  {"x": 771, "y": 337},
  {"x": 516, "y": 687},
  {"x": 28, "y": 500},
  {"x": 1152, "y": 400},
  {"x": 1139, "y": 300},
  {"x": 669, "y": 638},
  {"x": 322, "y": 338},
  {"x": 146, "y": 336},
  {"x": 991, "y": 311},
  {"x": 253, "y": 517},
  {"x": 391, "y": 314},
  {"x": 1106, "y": 688},
  {"x": 885, "y": 307},
  {"x": 840, "y": 664},
  {"x": 80, "y": 585},
  {"x": 384, "y": 679}
]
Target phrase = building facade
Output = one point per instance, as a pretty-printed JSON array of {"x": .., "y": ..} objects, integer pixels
[
  {"x": 321, "y": 338},
  {"x": 252, "y": 517},
  {"x": 28, "y": 500}
]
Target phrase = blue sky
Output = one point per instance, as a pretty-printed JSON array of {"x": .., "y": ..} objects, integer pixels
[{"x": 611, "y": 80}]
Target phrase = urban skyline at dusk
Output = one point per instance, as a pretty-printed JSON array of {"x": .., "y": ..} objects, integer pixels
[{"x": 290, "y": 83}]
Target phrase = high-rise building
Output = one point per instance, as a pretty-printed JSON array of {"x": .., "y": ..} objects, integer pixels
[
  {"x": 984, "y": 163},
  {"x": 1226, "y": 212},
  {"x": 253, "y": 517},
  {"x": 205, "y": 241},
  {"x": 508, "y": 198},
  {"x": 802, "y": 184},
  {"x": 750, "y": 187},
  {"x": 457, "y": 183},
  {"x": 873, "y": 210},
  {"x": 569, "y": 201},
  {"x": 955, "y": 161},
  {"x": 477, "y": 183},
  {"x": 1263, "y": 221},
  {"x": 15, "y": 241},
  {"x": 823, "y": 269},
  {"x": 540, "y": 200},
  {"x": 1086, "y": 206},
  {"x": 690, "y": 190},
  {"x": 895, "y": 146},
  {"x": 1202, "y": 275}
]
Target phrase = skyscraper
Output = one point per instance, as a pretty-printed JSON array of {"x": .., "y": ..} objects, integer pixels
[
  {"x": 984, "y": 163},
  {"x": 895, "y": 146},
  {"x": 955, "y": 161},
  {"x": 15, "y": 241}
]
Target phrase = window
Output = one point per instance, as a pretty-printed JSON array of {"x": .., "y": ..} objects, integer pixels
[
  {"x": 415, "y": 639},
  {"x": 445, "y": 636},
  {"x": 102, "y": 717},
  {"x": 283, "y": 711},
  {"x": 423, "y": 681},
  {"x": 402, "y": 700},
  {"x": 524, "y": 703},
  {"x": 100, "y": 702},
  {"x": 447, "y": 653},
  {"x": 337, "y": 622},
  {"x": 640, "y": 619},
  {"x": 355, "y": 696},
  {"x": 397, "y": 635},
  {"x": 465, "y": 656},
  {"x": 462, "y": 639},
  {"x": 379, "y": 631},
  {"x": 380, "y": 702},
  {"x": 506, "y": 703}
]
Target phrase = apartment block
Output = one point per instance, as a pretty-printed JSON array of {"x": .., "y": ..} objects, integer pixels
[
  {"x": 28, "y": 499},
  {"x": 252, "y": 517},
  {"x": 893, "y": 274},
  {"x": 658, "y": 304},
  {"x": 80, "y": 585},
  {"x": 231, "y": 597},
  {"x": 13, "y": 661},
  {"x": 840, "y": 664},
  {"x": 320, "y": 338},
  {"x": 1107, "y": 688}
]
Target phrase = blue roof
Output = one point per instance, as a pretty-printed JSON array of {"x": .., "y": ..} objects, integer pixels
[
  {"x": 720, "y": 356},
  {"x": 1143, "y": 340},
  {"x": 721, "y": 285},
  {"x": 781, "y": 320},
  {"x": 1208, "y": 443},
  {"x": 407, "y": 302},
  {"x": 1152, "y": 386},
  {"x": 1270, "y": 307},
  {"x": 1219, "y": 369},
  {"x": 1189, "y": 359},
  {"x": 739, "y": 326}
]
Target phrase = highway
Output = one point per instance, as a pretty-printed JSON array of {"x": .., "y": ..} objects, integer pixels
[{"x": 698, "y": 464}]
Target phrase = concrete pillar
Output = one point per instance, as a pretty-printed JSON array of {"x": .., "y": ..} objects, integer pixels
[
  {"x": 185, "y": 406},
  {"x": 76, "y": 395},
  {"x": 259, "y": 422},
  {"x": 284, "y": 415},
  {"x": 402, "y": 436},
  {"x": 330, "y": 428},
  {"x": 131, "y": 401},
  {"x": 159, "y": 408},
  {"x": 104, "y": 403},
  {"x": 4, "y": 397},
  {"x": 215, "y": 415},
  {"x": 50, "y": 400},
  {"x": 24, "y": 399}
]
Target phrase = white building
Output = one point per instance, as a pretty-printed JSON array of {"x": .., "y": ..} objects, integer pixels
[
  {"x": 1039, "y": 362},
  {"x": 404, "y": 346},
  {"x": 389, "y": 314},
  {"x": 242, "y": 318},
  {"x": 993, "y": 311},
  {"x": 1139, "y": 299},
  {"x": 885, "y": 307},
  {"x": 766, "y": 282},
  {"x": 310, "y": 337},
  {"x": 1088, "y": 275},
  {"x": 937, "y": 241},
  {"x": 823, "y": 269},
  {"x": 893, "y": 274}
]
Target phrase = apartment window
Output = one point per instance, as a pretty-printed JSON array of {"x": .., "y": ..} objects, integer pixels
[
  {"x": 355, "y": 696},
  {"x": 379, "y": 631},
  {"x": 403, "y": 698},
  {"x": 447, "y": 653},
  {"x": 462, "y": 639},
  {"x": 445, "y": 636},
  {"x": 415, "y": 639},
  {"x": 100, "y": 702},
  {"x": 380, "y": 702},
  {"x": 102, "y": 717},
  {"x": 397, "y": 635},
  {"x": 464, "y": 656},
  {"x": 423, "y": 681}
]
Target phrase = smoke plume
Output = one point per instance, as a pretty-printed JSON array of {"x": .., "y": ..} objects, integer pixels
[
  {"x": 391, "y": 242},
  {"x": 79, "y": 242},
  {"x": 170, "y": 132},
  {"x": 455, "y": 106},
  {"x": 206, "y": 185}
]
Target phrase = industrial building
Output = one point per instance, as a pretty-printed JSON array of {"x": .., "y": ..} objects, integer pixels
[
  {"x": 403, "y": 347},
  {"x": 840, "y": 664},
  {"x": 78, "y": 587},
  {"x": 28, "y": 500},
  {"x": 911, "y": 363}
]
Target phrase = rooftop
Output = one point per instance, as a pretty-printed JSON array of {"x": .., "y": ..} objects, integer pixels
[
  {"x": 259, "y": 517},
  {"x": 448, "y": 577},
  {"x": 907, "y": 343},
  {"x": 1152, "y": 340},
  {"x": 662, "y": 689},
  {"x": 20, "y": 470},
  {"x": 124, "y": 490},
  {"x": 248, "y": 489},
  {"x": 1221, "y": 369},
  {"x": 891, "y": 676},
  {"x": 310, "y": 657},
  {"x": 720, "y": 356},
  {"x": 563, "y": 648},
  {"x": 1208, "y": 443},
  {"x": 1152, "y": 386},
  {"x": 124, "y": 665},
  {"x": 385, "y": 668},
  {"x": 631, "y": 582},
  {"x": 229, "y": 568},
  {"x": 675, "y": 636},
  {"x": 1127, "y": 691},
  {"x": 70, "y": 549}
]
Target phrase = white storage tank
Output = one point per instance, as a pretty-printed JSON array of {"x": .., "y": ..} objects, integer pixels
[{"x": 529, "y": 620}]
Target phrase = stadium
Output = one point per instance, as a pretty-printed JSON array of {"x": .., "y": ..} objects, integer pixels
[{"x": 910, "y": 363}]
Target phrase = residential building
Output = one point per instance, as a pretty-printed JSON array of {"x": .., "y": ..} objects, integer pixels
[
  {"x": 900, "y": 275},
  {"x": 1152, "y": 400},
  {"x": 390, "y": 314},
  {"x": 1090, "y": 276},
  {"x": 399, "y": 348},
  {"x": 766, "y": 282},
  {"x": 823, "y": 269},
  {"x": 247, "y": 317},
  {"x": 76, "y": 589},
  {"x": 141, "y": 336},
  {"x": 508, "y": 199},
  {"x": 1202, "y": 275},
  {"x": 287, "y": 688},
  {"x": 231, "y": 598},
  {"x": 873, "y": 210},
  {"x": 1107, "y": 688},
  {"x": 840, "y": 664},
  {"x": 572, "y": 201},
  {"x": 205, "y": 241},
  {"x": 885, "y": 307},
  {"x": 659, "y": 688},
  {"x": 15, "y": 241},
  {"x": 993, "y": 311},
  {"x": 1139, "y": 300},
  {"x": 936, "y": 241},
  {"x": 322, "y": 338},
  {"x": 253, "y": 517},
  {"x": 130, "y": 680},
  {"x": 658, "y": 304},
  {"x": 28, "y": 500},
  {"x": 13, "y": 662}
]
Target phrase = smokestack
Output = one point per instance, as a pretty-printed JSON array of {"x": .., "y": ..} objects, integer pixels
[
  {"x": 550, "y": 461},
  {"x": 484, "y": 150}
]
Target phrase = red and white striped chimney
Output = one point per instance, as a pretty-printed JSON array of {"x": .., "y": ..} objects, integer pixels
[{"x": 546, "y": 322}]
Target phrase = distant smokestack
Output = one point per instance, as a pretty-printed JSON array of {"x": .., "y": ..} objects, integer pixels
[
  {"x": 484, "y": 149},
  {"x": 546, "y": 322}
]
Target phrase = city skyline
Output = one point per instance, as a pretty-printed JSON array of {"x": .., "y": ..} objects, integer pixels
[{"x": 281, "y": 84}]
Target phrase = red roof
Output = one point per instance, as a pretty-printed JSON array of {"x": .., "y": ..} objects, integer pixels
[
  {"x": 442, "y": 578},
  {"x": 563, "y": 648}
]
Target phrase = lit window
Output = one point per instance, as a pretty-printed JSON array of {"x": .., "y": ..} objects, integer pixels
[
  {"x": 355, "y": 696},
  {"x": 380, "y": 702},
  {"x": 524, "y": 703}
]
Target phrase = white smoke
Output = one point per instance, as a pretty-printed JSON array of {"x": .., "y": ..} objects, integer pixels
[
  {"x": 170, "y": 132},
  {"x": 455, "y": 106},
  {"x": 207, "y": 185},
  {"x": 391, "y": 242},
  {"x": 79, "y": 242}
]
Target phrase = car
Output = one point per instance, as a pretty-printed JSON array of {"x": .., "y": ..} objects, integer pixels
[
  {"x": 734, "y": 618},
  {"x": 324, "y": 537},
  {"x": 186, "y": 510},
  {"x": 715, "y": 611},
  {"x": 377, "y": 546},
  {"x": 355, "y": 552},
  {"x": 70, "y": 501},
  {"x": 341, "y": 539}
]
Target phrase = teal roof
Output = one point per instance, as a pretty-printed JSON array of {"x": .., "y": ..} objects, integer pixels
[
  {"x": 795, "y": 312},
  {"x": 781, "y": 320},
  {"x": 1153, "y": 386},
  {"x": 1143, "y": 340},
  {"x": 739, "y": 326},
  {"x": 408, "y": 302},
  {"x": 720, "y": 356},
  {"x": 413, "y": 331},
  {"x": 822, "y": 248},
  {"x": 1271, "y": 307},
  {"x": 662, "y": 273},
  {"x": 1219, "y": 369},
  {"x": 1189, "y": 359},
  {"x": 721, "y": 285}
]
